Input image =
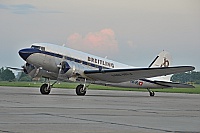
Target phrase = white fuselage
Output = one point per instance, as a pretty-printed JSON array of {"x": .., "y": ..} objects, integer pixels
[{"x": 50, "y": 56}]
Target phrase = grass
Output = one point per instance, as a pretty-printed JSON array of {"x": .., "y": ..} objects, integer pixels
[{"x": 195, "y": 90}]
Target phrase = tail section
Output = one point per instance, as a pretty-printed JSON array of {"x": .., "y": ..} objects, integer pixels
[{"x": 162, "y": 60}]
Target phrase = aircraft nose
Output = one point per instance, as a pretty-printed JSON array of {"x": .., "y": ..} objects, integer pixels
[{"x": 25, "y": 53}]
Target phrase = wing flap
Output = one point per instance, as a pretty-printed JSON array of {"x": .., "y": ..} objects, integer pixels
[{"x": 122, "y": 75}]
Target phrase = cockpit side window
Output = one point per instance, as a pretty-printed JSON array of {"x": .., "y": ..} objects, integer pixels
[
  {"x": 42, "y": 48},
  {"x": 38, "y": 47},
  {"x": 35, "y": 47}
]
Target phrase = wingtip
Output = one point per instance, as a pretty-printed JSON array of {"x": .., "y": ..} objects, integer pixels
[
  {"x": 189, "y": 68},
  {"x": 193, "y": 68}
]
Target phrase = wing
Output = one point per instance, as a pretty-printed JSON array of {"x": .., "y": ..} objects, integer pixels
[{"x": 122, "y": 75}]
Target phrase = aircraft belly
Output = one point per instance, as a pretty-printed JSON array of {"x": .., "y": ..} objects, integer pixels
[{"x": 135, "y": 84}]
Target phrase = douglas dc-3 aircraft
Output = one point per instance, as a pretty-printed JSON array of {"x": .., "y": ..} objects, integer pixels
[{"x": 60, "y": 63}]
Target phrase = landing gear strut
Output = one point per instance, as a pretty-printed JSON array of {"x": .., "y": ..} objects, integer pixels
[{"x": 151, "y": 93}]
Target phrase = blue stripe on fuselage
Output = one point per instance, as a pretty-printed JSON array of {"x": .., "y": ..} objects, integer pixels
[
  {"x": 52, "y": 54},
  {"x": 25, "y": 53}
]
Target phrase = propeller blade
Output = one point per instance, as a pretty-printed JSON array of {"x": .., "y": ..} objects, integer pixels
[{"x": 15, "y": 68}]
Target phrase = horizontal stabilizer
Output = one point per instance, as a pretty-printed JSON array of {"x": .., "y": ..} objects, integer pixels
[
  {"x": 173, "y": 84},
  {"x": 122, "y": 75}
]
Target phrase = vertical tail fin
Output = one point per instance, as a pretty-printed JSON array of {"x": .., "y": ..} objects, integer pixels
[{"x": 162, "y": 60}]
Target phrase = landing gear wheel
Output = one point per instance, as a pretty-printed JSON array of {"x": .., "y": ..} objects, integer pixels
[
  {"x": 151, "y": 93},
  {"x": 80, "y": 91},
  {"x": 45, "y": 90}
]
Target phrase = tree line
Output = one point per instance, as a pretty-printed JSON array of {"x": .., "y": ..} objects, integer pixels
[
  {"x": 193, "y": 77},
  {"x": 8, "y": 75}
]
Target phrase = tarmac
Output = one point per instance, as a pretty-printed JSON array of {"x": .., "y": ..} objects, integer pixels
[{"x": 25, "y": 110}]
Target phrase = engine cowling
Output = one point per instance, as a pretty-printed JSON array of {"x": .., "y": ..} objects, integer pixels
[
  {"x": 70, "y": 70},
  {"x": 67, "y": 69},
  {"x": 34, "y": 72},
  {"x": 64, "y": 67},
  {"x": 29, "y": 69}
]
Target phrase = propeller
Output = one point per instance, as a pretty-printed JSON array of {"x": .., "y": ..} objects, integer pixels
[
  {"x": 28, "y": 69},
  {"x": 15, "y": 68}
]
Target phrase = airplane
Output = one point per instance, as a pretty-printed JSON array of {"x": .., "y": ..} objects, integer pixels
[{"x": 59, "y": 63}]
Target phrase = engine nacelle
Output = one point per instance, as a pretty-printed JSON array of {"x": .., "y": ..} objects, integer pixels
[
  {"x": 64, "y": 67},
  {"x": 70, "y": 70},
  {"x": 34, "y": 72},
  {"x": 31, "y": 70},
  {"x": 66, "y": 71}
]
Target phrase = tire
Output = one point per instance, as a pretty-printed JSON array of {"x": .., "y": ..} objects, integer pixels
[
  {"x": 80, "y": 91},
  {"x": 152, "y": 93},
  {"x": 44, "y": 89}
]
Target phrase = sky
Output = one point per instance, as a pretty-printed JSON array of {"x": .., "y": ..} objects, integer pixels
[{"x": 133, "y": 32}]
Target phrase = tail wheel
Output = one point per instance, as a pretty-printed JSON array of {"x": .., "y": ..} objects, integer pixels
[
  {"x": 152, "y": 93},
  {"x": 80, "y": 90},
  {"x": 45, "y": 89}
]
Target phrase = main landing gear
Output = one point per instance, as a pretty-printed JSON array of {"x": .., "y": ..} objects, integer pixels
[
  {"x": 151, "y": 93},
  {"x": 81, "y": 90},
  {"x": 45, "y": 89}
]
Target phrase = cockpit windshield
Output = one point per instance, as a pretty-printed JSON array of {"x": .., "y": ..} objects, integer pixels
[{"x": 38, "y": 47}]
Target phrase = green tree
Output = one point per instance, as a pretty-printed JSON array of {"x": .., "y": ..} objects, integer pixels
[
  {"x": 6, "y": 74},
  {"x": 1, "y": 70},
  {"x": 24, "y": 77}
]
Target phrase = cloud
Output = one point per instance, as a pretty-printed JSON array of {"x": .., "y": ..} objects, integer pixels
[
  {"x": 2, "y": 6},
  {"x": 101, "y": 43},
  {"x": 25, "y": 9},
  {"x": 20, "y": 8}
]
